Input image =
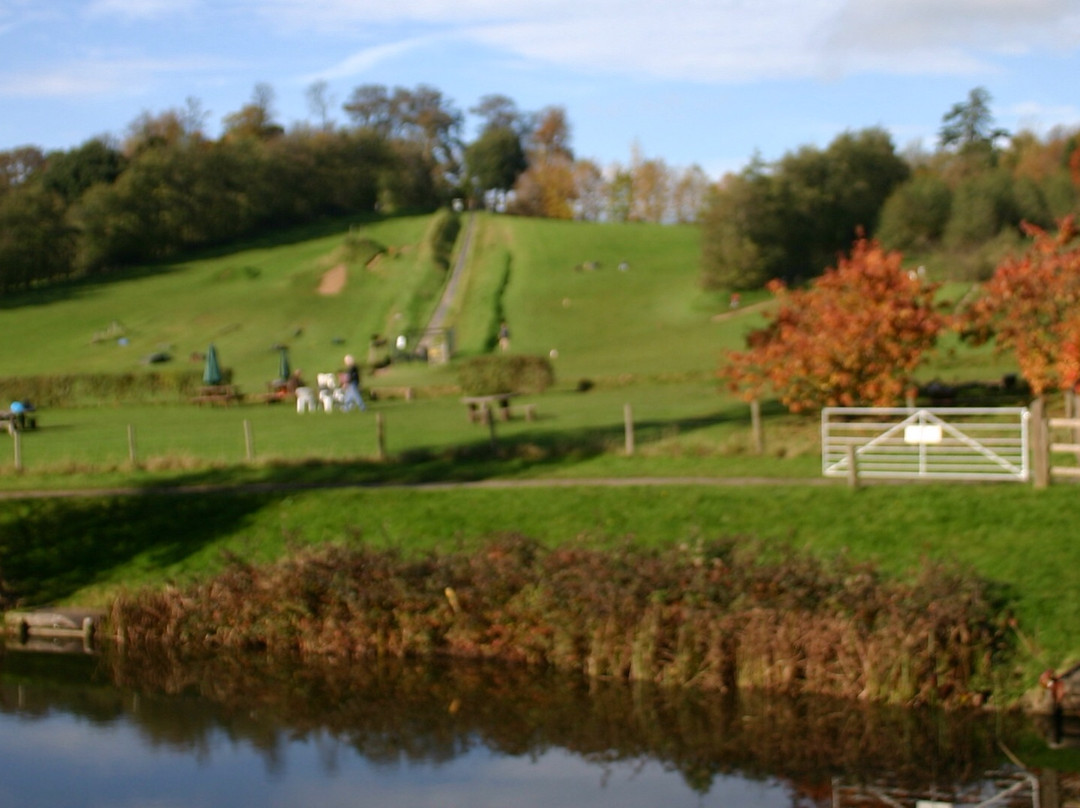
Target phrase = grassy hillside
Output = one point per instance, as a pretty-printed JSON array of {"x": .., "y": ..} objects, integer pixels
[
  {"x": 245, "y": 302},
  {"x": 612, "y": 301}
]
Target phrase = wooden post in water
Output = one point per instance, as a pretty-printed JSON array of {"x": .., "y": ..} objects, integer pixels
[
  {"x": 133, "y": 455},
  {"x": 755, "y": 427},
  {"x": 852, "y": 466},
  {"x": 380, "y": 438},
  {"x": 628, "y": 428},
  {"x": 1040, "y": 444},
  {"x": 249, "y": 441},
  {"x": 16, "y": 437}
]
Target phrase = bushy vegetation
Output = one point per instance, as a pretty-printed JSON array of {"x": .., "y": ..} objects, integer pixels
[
  {"x": 442, "y": 235},
  {"x": 516, "y": 373},
  {"x": 707, "y": 616},
  {"x": 66, "y": 390},
  {"x": 960, "y": 207}
]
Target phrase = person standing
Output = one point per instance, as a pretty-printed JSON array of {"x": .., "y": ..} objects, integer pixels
[
  {"x": 504, "y": 337},
  {"x": 352, "y": 386}
]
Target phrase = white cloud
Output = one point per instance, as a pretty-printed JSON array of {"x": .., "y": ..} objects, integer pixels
[
  {"x": 139, "y": 9},
  {"x": 717, "y": 40},
  {"x": 362, "y": 61},
  {"x": 97, "y": 76},
  {"x": 989, "y": 26}
]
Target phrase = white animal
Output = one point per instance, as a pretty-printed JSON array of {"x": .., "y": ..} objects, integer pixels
[
  {"x": 305, "y": 399},
  {"x": 330, "y": 394}
]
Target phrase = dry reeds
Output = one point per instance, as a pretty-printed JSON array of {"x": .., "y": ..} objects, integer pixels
[{"x": 708, "y": 616}]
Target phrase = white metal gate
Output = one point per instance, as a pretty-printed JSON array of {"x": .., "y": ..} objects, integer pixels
[{"x": 955, "y": 443}]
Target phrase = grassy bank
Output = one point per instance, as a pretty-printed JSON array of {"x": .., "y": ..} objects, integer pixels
[{"x": 88, "y": 549}]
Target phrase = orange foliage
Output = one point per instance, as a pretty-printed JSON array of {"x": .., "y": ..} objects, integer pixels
[
  {"x": 854, "y": 337},
  {"x": 1031, "y": 306}
]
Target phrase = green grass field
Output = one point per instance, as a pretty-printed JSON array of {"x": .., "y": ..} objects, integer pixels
[{"x": 645, "y": 335}]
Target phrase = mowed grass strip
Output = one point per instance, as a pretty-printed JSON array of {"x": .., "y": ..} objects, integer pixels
[{"x": 85, "y": 549}]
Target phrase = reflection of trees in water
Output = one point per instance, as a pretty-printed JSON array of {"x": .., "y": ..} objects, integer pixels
[{"x": 390, "y": 711}]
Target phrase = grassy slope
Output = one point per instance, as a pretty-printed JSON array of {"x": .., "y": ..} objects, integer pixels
[{"x": 245, "y": 302}]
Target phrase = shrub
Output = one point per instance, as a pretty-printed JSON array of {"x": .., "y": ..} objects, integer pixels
[
  {"x": 715, "y": 617},
  {"x": 63, "y": 390},
  {"x": 441, "y": 235},
  {"x": 490, "y": 375}
]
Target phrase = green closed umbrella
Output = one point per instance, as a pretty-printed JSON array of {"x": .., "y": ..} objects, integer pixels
[
  {"x": 284, "y": 371},
  {"x": 211, "y": 371}
]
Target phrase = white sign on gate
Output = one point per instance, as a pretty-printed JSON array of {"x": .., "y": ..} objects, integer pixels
[{"x": 957, "y": 443}]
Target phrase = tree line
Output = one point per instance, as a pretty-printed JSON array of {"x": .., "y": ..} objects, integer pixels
[
  {"x": 166, "y": 187},
  {"x": 964, "y": 202}
]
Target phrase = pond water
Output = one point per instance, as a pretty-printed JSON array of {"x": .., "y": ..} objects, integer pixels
[{"x": 112, "y": 730}]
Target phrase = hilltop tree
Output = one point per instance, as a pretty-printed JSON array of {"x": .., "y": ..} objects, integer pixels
[
  {"x": 18, "y": 165},
  {"x": 173, "y": 127},
  {"x": 789, "y": 220},
  {"x": 854, "y": 337},
  {"x": 547, "y": 187},
  {"x": 71, "y": 173},
  {"x": 500, "y": 112},
  {"x": 255, "y": 120},
  {"x": 496, "y": 159},
  {"x": 1031, "y": 306},
  {"x": 969, "y": 124}
]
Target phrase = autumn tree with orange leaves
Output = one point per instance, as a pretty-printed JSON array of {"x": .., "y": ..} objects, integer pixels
[
  {"x": 1031, "y": 306},
  {"x": 853, "y": 337}
]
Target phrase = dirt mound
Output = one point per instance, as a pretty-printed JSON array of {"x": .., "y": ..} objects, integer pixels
[{"x": 333, "y": 280}]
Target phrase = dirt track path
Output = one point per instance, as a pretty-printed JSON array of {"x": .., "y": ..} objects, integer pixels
[{"x": 582, "y": 482}]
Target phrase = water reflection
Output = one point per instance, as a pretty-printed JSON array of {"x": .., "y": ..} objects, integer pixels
[{"x": 116, "y": 730}]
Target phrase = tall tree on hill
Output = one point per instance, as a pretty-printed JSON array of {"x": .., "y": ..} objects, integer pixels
[
  {"x": 547, "y": 187},
  {"x": 19, "y": 165},
  {"x": 255, "y": 120},
  {"x": 171, "y": 128},
  {"x": 688, "y": 195},
  {"x": 36, "y": 243},
  {"x": 789, "y": 220},
  {"x": 969, "y": 124},
  {"x": 71, "y": 173},
  {"x": 423, "y": 128}
]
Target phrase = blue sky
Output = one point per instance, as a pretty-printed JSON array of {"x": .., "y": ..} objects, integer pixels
[{"x": 711, "y": 82}]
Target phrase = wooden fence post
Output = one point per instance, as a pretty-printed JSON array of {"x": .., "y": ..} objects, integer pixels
[
  {"x": 133, "y": 455},
  {"x": 1040, "y": 444},
  {"x": 853, "y": 466},
  {"x": 755, "y": 427},
  {"x": 249, "y": 441},
  {"x": 380, "y": 438},
  {"x": 489, "y": 418},
  {"x": 628, "y": 429},
  {"x": 16, "y": 436}
]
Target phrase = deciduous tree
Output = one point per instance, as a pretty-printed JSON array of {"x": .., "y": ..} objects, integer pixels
[
  {"x": 1031, "y": 306},
  {"x": 854, "y": 337}
]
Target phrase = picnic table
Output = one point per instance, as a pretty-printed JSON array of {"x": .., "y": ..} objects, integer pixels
[
  {"x": 481, "y": 408},
  {"x": 223, "y": 394},
  {"x": 18, "y": 418}
]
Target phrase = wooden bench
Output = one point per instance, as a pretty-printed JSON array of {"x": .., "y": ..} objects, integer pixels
[
  {"x": 480, "y": 408},
  {"x": 528, "y": 411},
  {"x": 18, "y": 421}
]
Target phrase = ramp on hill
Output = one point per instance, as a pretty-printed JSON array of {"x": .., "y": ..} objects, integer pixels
[{"x": 442, "y": 312}]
